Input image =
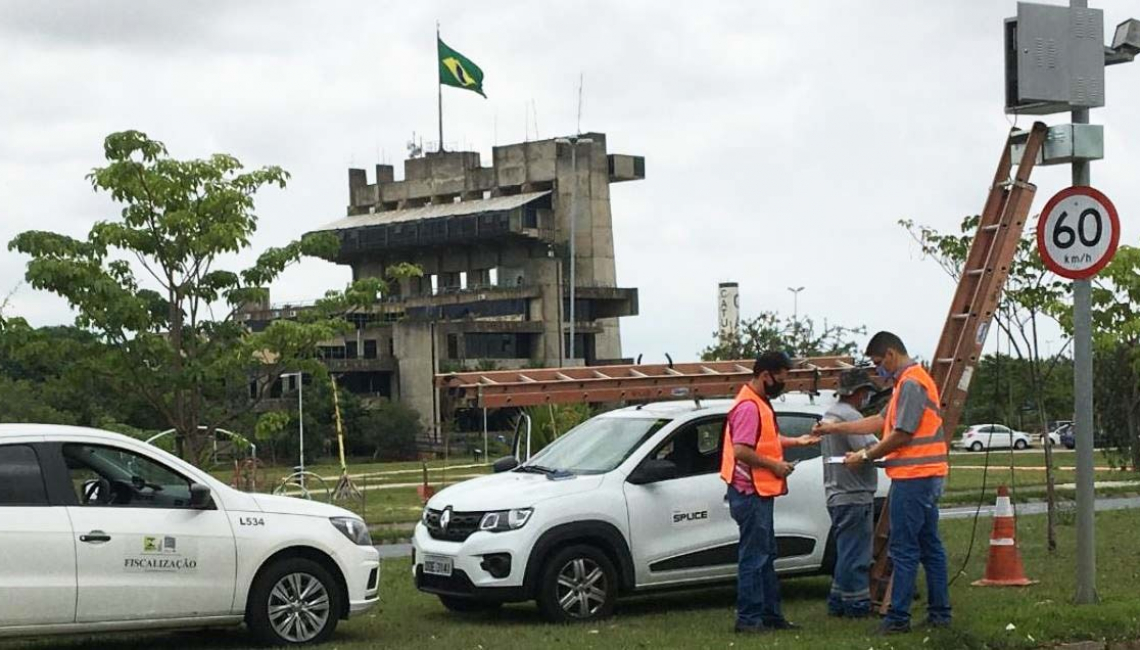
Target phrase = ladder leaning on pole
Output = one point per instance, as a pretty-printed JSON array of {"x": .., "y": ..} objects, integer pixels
[{"x": 979, "y": 289}]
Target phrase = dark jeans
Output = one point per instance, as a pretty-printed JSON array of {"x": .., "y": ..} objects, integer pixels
[
  {"x": 757, "y": 588},
  {"x": 852, "y": 527},
  {"x": 914, "y": 539}
]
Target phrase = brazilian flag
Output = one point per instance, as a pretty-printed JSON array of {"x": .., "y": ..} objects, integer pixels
[{"x": 457, "y": 70}]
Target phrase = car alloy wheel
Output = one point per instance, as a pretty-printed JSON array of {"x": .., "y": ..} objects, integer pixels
[
  {"x": 299, "y": 607},
  {"x": 582, "y": 588}
]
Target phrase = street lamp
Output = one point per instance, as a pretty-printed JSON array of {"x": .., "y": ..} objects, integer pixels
[
  {"x": 300, "y": 417},
  {"x": 795, "y": 310},
  {"x": 573, "y": 143}
]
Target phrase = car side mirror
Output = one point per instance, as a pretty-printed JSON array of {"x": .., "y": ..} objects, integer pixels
[
  {"x": 652, "y": 471},
  {"x": 199, "y": 496},
  {"x": 505, "y": 464}
]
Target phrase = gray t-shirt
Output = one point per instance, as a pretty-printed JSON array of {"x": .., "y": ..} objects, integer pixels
[{"x": 846, "y": 486}]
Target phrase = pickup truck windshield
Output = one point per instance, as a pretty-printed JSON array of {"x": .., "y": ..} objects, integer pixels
[{"x": 596, "y": 446}]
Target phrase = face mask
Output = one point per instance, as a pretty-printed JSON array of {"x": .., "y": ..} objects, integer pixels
[
  {"x": 883, "y": 372},
  {"x": 774, "y": 389}
]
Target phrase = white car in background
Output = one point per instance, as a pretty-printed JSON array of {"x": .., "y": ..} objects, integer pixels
[
  {"x": 992, "y": 436},
  {"x": 100, "y": 533},
  {"x": 627, "y": 502}
]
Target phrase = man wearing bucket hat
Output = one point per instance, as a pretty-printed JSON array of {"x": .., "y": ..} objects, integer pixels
[{"x": 850, "y": 499}]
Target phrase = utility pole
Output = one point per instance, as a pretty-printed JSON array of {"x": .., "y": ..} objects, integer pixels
[{"x": 1083, "y": 400}]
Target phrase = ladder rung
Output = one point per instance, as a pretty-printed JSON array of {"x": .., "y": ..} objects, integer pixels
[
  {"x": 961, "y": 316},
  {"x": 975, "y": 271},
  {"x": 992, "y": 226},
  {"x": 946, "y": 360},
  {"x": 564, "y": 377},
  {"x": 708, "y": 371},
  {"x": 527, "y": 379},
  {"x": 675, "y": 373},
  {"x": 636, "y": 373}
]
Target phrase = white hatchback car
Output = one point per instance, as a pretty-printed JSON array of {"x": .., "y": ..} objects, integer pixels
[
  {"x": 628, "y": 501},
  {"x": 992, "y": 436},
  {"x": 100, "y": 532}
]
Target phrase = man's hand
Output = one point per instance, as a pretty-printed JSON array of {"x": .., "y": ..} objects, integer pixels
[
  {"x": 807, "y": 440},
  {"x": 855, "y": 458},
  {"x": 823, "y": 428},
  {"x": 782, "y": 468}
]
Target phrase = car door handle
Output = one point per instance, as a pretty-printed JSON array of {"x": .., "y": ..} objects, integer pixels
[{"x": 95, "y": 537}]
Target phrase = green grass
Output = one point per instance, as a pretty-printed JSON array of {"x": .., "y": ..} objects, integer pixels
[{"x": 702, "y": 618}]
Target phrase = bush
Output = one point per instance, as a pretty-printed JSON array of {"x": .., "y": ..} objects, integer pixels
[{"x": 389, "y": 432}]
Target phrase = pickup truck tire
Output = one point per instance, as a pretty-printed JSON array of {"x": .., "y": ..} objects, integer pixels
[
  {"x": 294, "y": 601},
  {"x": 578, "y": 584},
  {"x": 468, "y": 605}
]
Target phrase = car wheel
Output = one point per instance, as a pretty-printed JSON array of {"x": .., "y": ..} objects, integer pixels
[
  {"x": 469, "y": 605},
  {"x": 578, "y": 584},
  {"x": 977, "y": 446},
  {"x": 294, "y": 602},
  {"x": 1020, "y": 444}
]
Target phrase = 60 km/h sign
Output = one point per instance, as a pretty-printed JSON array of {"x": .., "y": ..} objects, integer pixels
[{"x": 1078, "y": 232}]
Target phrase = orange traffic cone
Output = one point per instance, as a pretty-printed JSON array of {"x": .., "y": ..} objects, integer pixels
[{"x": 1004, "y": 569}]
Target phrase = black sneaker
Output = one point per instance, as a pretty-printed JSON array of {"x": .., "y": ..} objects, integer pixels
[
  {"x": 942, "y": 623},
  {"x": 886, "y": 629},
  {"x": 781, "y": 624},
  {"x": 749, "y": 629}
]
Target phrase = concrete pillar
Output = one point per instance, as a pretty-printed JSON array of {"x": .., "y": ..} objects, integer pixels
[{"x": 417, "y": 363}]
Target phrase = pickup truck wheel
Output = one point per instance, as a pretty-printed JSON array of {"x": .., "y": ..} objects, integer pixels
[
  {"x": 469, "y": 605},
  {"x": 294, "y": 602},
  {"x": 578, "y": 584}
]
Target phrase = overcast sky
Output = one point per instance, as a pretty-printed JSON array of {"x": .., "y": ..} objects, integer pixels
[{"x": 783, "y": 140}]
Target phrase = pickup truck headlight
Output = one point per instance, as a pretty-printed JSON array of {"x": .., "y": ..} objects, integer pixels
[
  {"x": 354, "y": 529},
  {"x": 498, "y": 521}
]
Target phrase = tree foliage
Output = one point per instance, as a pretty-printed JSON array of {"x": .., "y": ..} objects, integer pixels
[
  {"x": 798, "y": 337},
  {"x": 151, "y": 289}
]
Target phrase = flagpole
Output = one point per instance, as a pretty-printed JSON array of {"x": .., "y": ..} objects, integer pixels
[{"x": 439, "y": 87}]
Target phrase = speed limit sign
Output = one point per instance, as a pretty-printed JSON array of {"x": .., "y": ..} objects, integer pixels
[{"x": 1078, "y": 232}]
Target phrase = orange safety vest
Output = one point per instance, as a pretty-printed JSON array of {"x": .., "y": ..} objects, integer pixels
[
  {"x": 924, "y": 455},
  {"x": 766, "y": 483}
]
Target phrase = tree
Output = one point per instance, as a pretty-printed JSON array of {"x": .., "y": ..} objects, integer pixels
[
  {"x": 798, "y": 337},
  {"x": 149, "y": 287},
  {"x": 1116, "y": 341},
  {"x": 1031, "y": 292}
]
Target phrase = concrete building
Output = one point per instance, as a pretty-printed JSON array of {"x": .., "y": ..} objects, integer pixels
[{"x": 493, "y": 243}]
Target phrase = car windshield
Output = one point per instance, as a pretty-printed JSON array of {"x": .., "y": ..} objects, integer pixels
[{"x": 596, "y": 446}]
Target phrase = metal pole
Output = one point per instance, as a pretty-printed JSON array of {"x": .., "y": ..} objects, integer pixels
[
  {"x": 439, "y": 88},
  {"x": 485, "y": 450},
  {"x": 301, "y": 420},
  {"x": 1083, "y": 404},
  {"x": 573, "y": 231}
]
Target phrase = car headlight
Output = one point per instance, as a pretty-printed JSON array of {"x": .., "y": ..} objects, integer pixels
[
  {"x": 498, "y": 521},
  {"x": 424, "y": 516},
  {"x": 354, "y": 529}
]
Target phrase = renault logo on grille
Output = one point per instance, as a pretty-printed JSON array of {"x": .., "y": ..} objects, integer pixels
[{"x": 445, "y": 519}]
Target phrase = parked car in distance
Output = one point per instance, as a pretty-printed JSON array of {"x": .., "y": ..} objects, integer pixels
[
  {"x": 992, "y": 436},
  {"x": 1065, "y": 437},
  {"x": 1054, "y": 436}
]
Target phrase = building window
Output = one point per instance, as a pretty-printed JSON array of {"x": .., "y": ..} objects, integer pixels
[{"x": 370, "y": 349}]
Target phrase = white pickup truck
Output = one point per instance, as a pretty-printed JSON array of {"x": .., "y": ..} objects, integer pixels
[
  {"x": 100, "y": 532},
  {"x": 629, "y": 501}
]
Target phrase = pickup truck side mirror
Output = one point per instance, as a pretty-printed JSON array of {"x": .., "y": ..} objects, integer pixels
[
  {"x": 199, "y": 496},
  {"x": 505, "y": 464},
  {"x": 652, "y": 471}
]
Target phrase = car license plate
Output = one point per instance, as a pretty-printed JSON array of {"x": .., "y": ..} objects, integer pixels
[{"x": 438, "y": 565}]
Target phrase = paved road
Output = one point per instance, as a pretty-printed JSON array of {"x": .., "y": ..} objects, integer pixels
[{"x": 957, "y": 512}]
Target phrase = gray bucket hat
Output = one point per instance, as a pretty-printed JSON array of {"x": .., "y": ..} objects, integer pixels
[{"x": 854, "y": 379}]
